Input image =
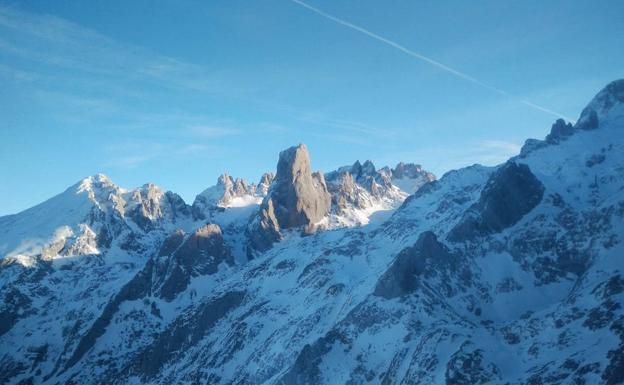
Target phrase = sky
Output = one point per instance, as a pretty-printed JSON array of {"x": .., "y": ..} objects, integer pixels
[{"x": 178, "y": 92}]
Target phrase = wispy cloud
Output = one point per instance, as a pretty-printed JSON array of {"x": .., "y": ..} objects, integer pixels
[
  {"x": 127, "y": 161},
  {"x": 69, "y": 62},
  {"x": 130, "y": 154},
  {"x": 426, "y": 59},
  {"x": 484, "y": 152},
  {"x": 346, "y": 125},
  {"x": 492, "y": 152},
  {"x": 58, "y": 42},
  {"x": 212, "y": 131},
  {"x": 195, "y": 149},
  {"x": 16, "y": 74}
]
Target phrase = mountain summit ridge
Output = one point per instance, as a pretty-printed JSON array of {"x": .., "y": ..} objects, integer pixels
[{"x": 132, "y": 213}]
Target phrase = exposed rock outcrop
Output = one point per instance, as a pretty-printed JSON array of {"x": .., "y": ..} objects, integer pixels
[
  {"x": 366, "y": 175},
  {"x": 384, "y": 182},
  {"x": 264, "y": 230},
  {"x": 402, "y": 276},
  {"x": 410, "y": 177},
  {"x": 411, "y": 170},
  {"x": 222, "y": 195},
  {"x": 559, "y": 131},
  {"x": 297, "y": 198},
  {"x": 265, "y": 183},
  {"x": 360, "y": 189},
  {"x": 200, "y": 254},
  {"x": 510, "y": 193},
  {"x": 344, "y": 191}
]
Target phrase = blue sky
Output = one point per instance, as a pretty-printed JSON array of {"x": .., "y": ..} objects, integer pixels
[{"x": 178, "y": 92}]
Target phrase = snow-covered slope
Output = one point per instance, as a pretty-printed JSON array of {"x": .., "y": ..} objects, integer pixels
[
  {"x": 90, "y": 216},
  {"x": 490, "y": 275}
]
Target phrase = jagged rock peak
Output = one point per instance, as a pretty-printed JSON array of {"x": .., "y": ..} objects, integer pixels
[
  {"x": 363, "y": 172},
  {"x": 358, "y": 170},
  {"x": 559, "y": 131},
  {"x": 234, "y": 188},
  {"x": 291, "y": 162},
  {"x": 235, "y": 185},
  {"x": 361, "y": 189},
  {"x": 410, "y": 170},
  {"x": 365, "y": 169},
  {"x": 300, "y": 198},
  {"x": 227, "y": 192},
  {"x": 264, "y": 184},
  {"x": 200, "y": 253},
  {"x": 143, "y": 204},
  {"x": 296, "y": 198}
]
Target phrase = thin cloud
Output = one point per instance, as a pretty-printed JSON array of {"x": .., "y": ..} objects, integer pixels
[
  {"x": 485, "y": 152},
  {"x": 129, "y": 161},
  {"x": 16, "y": 74},
  {"x": 212, "y": 131},
  {"x": 493, "y": 152},
  {"x": 55, "y": 41},
  {"x": 510, "y": 147},
  {"x": 345, "y": 138},
  {"x": 195, "y": 149},
  {"x": 133, "y": 153},
  {"x": 355, "y": 127},
  {"x": 99, "y": 62},
  {"x": 273, "y": 128},
  {"x": 426, "y": 59}
]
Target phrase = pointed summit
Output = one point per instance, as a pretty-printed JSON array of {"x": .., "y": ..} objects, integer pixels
[
  {"x": 97, "y": 181},
  {"x": 296, "y": 198},
  {"x": 300, "y": 197},
  {"x": 264, "y": 184}
]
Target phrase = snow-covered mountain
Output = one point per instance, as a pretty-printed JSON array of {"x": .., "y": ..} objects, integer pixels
[
  {"x": 490, "y": 275},
  {"x": 361, "y": 190}
]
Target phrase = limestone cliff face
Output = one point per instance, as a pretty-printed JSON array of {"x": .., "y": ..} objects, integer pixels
[
  {"x": 299, "y": 197},
  {"x": 296, "y": 198}
]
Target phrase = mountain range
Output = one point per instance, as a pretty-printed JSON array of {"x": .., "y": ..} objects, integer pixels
[{"x": 509, "y": 274}]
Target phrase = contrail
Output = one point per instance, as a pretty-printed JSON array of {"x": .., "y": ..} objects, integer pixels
[{"x": 426, "y": 59}]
